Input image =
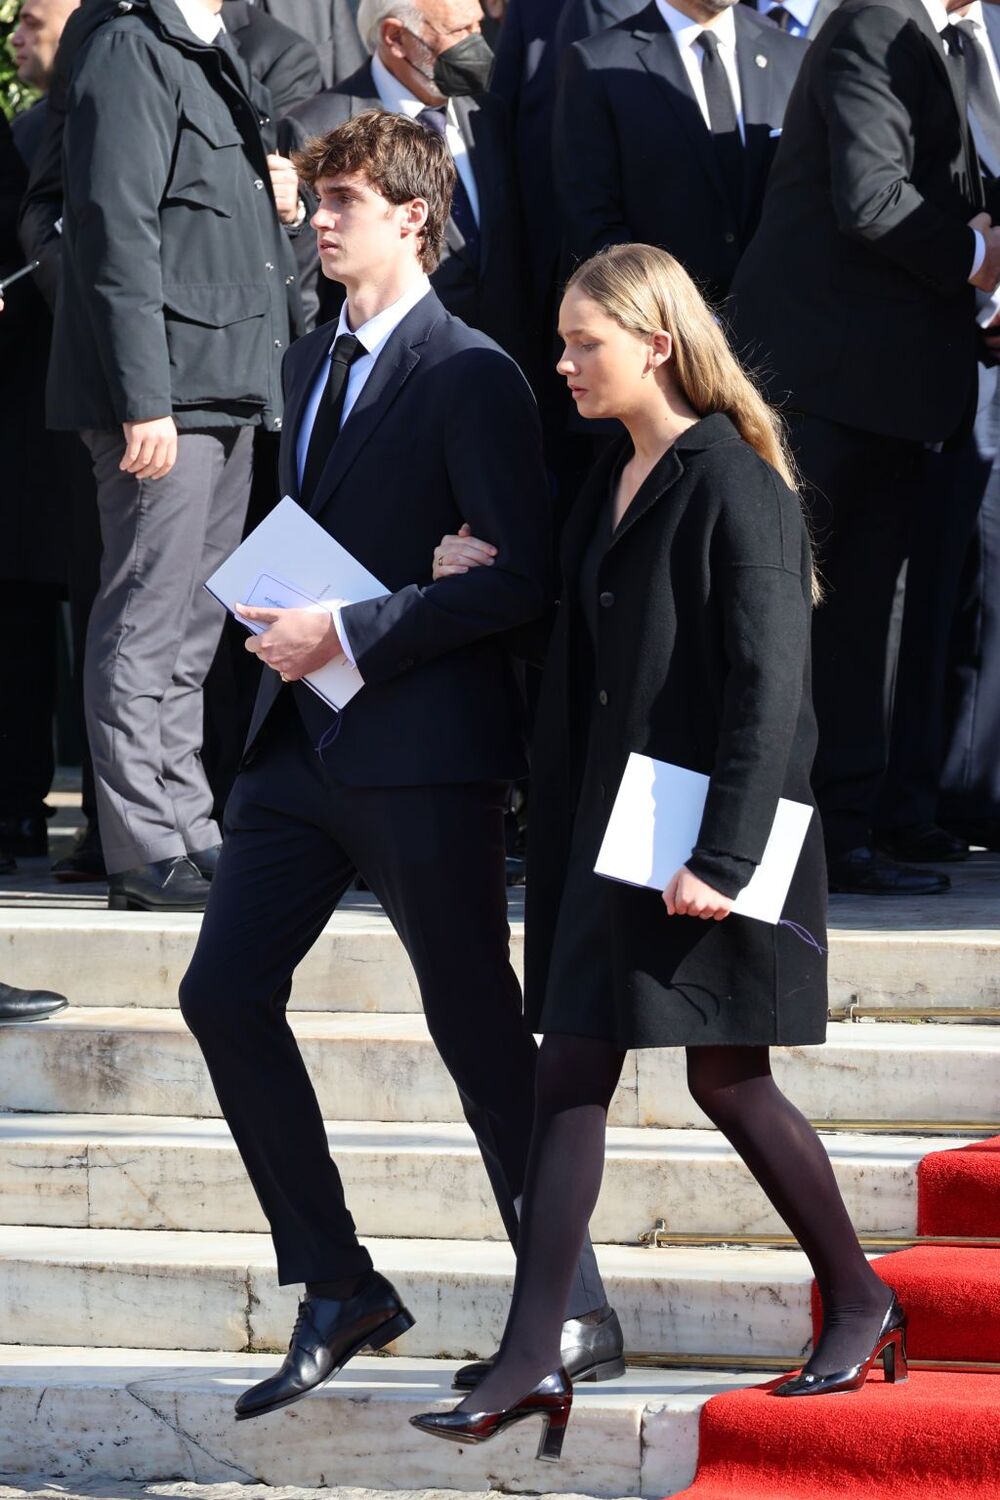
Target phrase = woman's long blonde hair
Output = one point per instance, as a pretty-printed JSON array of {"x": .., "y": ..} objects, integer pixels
[{"x": 647, "y": 291}]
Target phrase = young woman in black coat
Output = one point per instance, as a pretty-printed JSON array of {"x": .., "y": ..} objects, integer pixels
[{"x": 682, "y": 633}]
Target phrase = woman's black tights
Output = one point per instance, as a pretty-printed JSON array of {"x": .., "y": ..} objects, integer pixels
[{"x": 577, "y": 1077}]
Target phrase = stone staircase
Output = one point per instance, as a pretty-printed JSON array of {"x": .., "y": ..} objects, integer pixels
[{"x": 137, "y": 1285}]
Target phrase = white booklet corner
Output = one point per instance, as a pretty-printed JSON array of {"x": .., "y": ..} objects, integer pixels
[
  {"x": 654, "y": 826},
  {"x": 289, "y": 545}
]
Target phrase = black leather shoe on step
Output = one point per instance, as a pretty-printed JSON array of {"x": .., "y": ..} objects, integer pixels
[
  {"x": 862, "y": 872},
  {"x": 552, "y": 1400},
  {"x": 165, "y": 885},
  {"x": 328, "y": 1332},
  {"x": 29, "y": 1005},
  {"x": 922, "y": 842},
  {"x": 206, "y": 861},
  {"x": 890, "y": 1344},
  {"x": 84, "y": 862},
  {"x": 590, "y": 1351}
]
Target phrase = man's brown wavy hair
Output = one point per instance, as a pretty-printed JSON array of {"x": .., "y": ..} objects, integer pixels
[{"x": 398, "y": 157}]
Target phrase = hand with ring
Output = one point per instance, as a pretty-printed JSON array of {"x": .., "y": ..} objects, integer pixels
[{"x": 457, "y": 554}]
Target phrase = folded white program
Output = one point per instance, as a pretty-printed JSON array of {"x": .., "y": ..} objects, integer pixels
[
  {"x": 290, "y": 562},
  {"x": 654, "y": 828}
]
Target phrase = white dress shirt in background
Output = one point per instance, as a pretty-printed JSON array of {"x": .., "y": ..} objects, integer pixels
[
  {"x": 686, "y": 33},
  {"x": 397, "y": 99}
]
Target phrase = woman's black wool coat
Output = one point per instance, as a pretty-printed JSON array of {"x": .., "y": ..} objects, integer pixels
[{"x": 701, "y": 659}]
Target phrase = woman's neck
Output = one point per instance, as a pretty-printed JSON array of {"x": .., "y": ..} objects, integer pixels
[{"x": 655, "y": 427}]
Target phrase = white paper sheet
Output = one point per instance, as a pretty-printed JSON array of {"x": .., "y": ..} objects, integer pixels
[
  {"x": 654, "y": 825},
  {"x": 289, "y": 561}
]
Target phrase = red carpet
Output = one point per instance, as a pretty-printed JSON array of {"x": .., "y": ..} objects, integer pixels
[
  {"x": 935, "y": 1438},
  {"x": 959, "y": 1191}
]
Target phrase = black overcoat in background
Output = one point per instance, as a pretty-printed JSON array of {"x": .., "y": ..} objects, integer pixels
[{"x": 702, "y": 659}]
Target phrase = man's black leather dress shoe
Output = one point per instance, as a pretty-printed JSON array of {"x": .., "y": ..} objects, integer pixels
[
  {"x": 590, "y": 1351},
  {"x": 982, "y": 835},
  {"x": 165, "y": 885},
  {"x": 862, "y": 872},
  {"x": 29, "y": 1005},
  {"x": 206, "y": 861},
  {"x": 328, "y": 1332},
  {"x": 922, "y": 842},
  {"x": 84, "y": 862}
]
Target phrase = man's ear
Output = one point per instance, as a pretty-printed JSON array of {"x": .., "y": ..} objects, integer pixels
[{"x": 415, "y": 217}]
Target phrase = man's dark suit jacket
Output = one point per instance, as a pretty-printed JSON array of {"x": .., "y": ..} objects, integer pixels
[
  {"x": 854, "y": 292},
  {"x": 331, "y": 28},
  {"x": 528, "y": 52},
  {"x": 488, "y": 293},
  {"x": 634, "y": 158},
  {"x": 445, "y": 430},
  {"x": 278, "y": 57}
]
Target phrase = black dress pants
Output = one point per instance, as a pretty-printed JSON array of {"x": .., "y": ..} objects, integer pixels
[
  {"x": 434, "y": 856},
  {"x": 859, "y": 489},
  {"x": 27, "y": 698},
  {"x": 945, "y": 585}
]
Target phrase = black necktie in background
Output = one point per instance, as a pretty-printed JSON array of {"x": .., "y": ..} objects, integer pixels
[
  {"x": 955, "y": 52},
  {"x": 780, "y": 16},
  {"x": 983, "y": 101},
  {"x": 331, "y": 406},
  {"x": 722, "y": 119},
  {"x": 461, "y": 204}
]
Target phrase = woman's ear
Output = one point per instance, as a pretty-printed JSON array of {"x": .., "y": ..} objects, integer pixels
[{"x": 661, "y": 349}]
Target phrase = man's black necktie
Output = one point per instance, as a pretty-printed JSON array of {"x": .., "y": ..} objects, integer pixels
[
  {"x": 983, "y": 101},
  {"x": 328, "y": 414},
  {"x": 461, "y": 203},
  {"x": 955, "y": 55},
  {"x": 780, "y": 16},
  {"x": 722, "y": 119}
]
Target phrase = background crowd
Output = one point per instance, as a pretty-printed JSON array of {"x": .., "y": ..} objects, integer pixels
[{"x": 826, "y": 180}]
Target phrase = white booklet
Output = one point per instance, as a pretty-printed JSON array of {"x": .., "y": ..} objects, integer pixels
[
  {"x": 290, "y": 562},
  {"x": 654, "y": 826}
]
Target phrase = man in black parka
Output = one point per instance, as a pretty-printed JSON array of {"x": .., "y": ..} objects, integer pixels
[{"x": 170, "y": 323}]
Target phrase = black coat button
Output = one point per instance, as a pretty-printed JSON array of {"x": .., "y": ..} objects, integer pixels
[
  {"x": 606, "y": 600},
  {"x": 602, "y": 698}
]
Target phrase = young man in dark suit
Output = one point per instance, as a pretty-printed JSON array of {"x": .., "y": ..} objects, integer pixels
[
  {"x": 397, "y": 428},
  {"x": 857, "y": 297},
  {"x": 666, "y": 126},
  {"x": 481, "y": 277}
]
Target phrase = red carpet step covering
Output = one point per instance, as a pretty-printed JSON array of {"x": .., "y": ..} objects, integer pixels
[
  {"x": 952, "y": 1301},
  {"x": 959, "y": 1191},
  {"x": 935, "y": 1438}
]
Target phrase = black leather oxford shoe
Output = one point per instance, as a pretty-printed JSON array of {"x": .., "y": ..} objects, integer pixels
[
  {"x": 863, "y": 872},
  {"x": 164, "y": 885},
  {"x": 590, "y": 1351},
  {"x": 29, "y": 1005},
  {"x": 328, "y": 1332},
  {"x": 206, "y": 861}
]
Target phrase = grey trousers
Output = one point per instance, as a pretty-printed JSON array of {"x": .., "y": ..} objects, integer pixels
[{"x": 153, "y": 633}]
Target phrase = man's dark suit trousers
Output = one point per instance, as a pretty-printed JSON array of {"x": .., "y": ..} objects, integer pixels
[
  {"x": 434, "y": 857},
  {"x": 859, "y": 492}
]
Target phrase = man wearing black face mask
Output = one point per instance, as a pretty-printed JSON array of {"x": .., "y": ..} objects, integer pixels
[{"x": 429, "y": 61}]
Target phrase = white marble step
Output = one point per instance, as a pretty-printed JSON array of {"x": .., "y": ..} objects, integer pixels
[
  {"x": 888, "y": 957},
  {"x": 415, "y": 1181},
  {"x": 136, "y": 1414},
  {"x": 164, "y": 1289},
  {"x": 385, "y": 1067}
]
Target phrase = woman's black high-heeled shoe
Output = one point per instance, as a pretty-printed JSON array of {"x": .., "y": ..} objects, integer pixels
[
  {"x": 552, "y": 1400},
  {"x": 890, "y": 1345}
]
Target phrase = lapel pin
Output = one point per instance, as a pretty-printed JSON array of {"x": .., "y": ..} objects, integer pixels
[{"x": 760, "y": 60}]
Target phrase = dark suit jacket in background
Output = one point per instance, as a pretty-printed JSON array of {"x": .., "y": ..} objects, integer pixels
[
  {"x": 534, "y": 35},
  {"x": 278, "y": 57},
  {"x": 488, "y": 293},
  {"x": 854, "y": 294},
  {"x": 444, "y": 430},
  {"x": 331, "y": 28},
  {"x": 634, "y": 158}
]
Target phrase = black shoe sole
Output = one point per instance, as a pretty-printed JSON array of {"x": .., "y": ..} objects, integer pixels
[
  {"x": 609, "y": 1369},
  {"x": 393, "y": 1329},
  {"x": 131, "y": 903},
  {"x": 30, "y": 1020}
]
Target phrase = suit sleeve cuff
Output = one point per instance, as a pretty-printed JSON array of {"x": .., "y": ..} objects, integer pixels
[{"x": 336, "y": 608}]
